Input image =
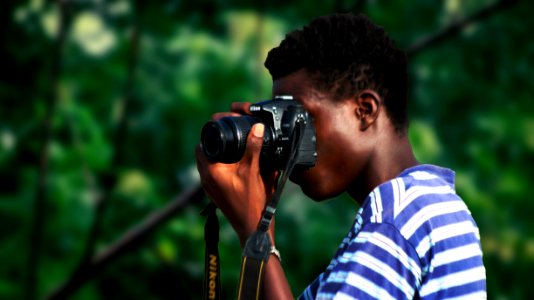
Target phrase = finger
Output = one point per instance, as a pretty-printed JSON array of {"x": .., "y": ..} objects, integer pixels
[
  {"x": 241, "y": 108},
  {"x": 201, "y": 159},
  {"x": 199, "y": 154},
  {"x": 269, "y": 179},
  {"x": 254, "y": 143},
  {"x": 220, "y": 115},
  {"x": 205, "y": 169}
]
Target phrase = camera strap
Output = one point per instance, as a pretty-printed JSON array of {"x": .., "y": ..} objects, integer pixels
[
  {"x": 212, "y": 269},
  {"x": 258, "y": 246}
]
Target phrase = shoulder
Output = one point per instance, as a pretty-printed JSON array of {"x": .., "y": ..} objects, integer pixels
[
  {"x": 420, "y": 202},
  {"x": 411, "y": 235},
  {"x": 411, "y": 191}
]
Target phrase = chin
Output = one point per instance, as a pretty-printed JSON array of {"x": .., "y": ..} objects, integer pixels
[
  {"x": 317, "y": 197},
  {"x": 317, "y": 192},
  {"x": 315, "y": 186}
]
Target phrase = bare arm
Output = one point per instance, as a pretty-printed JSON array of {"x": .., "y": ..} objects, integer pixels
[
  {"x": 275, "y": 285},
  {"x": 241, "y": 193}
]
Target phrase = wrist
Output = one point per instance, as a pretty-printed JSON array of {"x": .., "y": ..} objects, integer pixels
[
  {"x": 274, "y": 252},
  {"x": 243, "y": 237}
]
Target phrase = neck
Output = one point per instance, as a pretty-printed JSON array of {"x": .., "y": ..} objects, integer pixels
[{"x": 393, "y": 155}]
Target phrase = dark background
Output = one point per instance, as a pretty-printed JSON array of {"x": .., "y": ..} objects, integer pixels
[{"x": 102, "y": 104}]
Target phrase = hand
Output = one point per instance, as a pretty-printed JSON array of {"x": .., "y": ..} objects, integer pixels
[
  {"x": 237, "y": 109},
  {"x": 242, "y": 193},
  {"x": 238, "y": 189}
]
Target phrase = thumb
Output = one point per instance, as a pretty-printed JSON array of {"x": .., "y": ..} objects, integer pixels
[{"x": 254, "y": 143}]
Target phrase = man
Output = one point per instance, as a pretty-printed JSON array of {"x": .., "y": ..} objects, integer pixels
[{"x": 413, "y": 237}]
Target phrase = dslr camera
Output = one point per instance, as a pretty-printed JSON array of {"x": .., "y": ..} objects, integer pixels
[{"x": 225, "y": 140}]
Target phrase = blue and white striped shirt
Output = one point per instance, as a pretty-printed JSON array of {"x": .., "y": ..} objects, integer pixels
[{"x": 413, "y": 238}]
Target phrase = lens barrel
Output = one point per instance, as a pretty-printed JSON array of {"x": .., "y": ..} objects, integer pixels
[{"x": 225, "y": 140}]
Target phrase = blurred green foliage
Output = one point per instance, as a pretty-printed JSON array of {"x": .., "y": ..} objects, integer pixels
[{"x": 471, "y": 110}]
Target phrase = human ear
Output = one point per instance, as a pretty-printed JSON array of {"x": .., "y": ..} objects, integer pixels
[{"x": 367, "y": 108}]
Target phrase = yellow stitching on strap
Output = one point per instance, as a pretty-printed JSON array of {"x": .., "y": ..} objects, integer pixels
[
  {"x": 259, "y": 281},
  {"x": 241, "y": 277}
]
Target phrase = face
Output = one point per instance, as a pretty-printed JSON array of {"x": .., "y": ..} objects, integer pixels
[{"x": 341, "y": 146}]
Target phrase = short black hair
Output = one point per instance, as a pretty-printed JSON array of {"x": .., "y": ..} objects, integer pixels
[{"x": 344, "y": 54}]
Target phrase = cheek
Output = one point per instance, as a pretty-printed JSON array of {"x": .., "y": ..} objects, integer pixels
[
  {"x": 336, "y": 157},
  {"x": 336, "y": 143},
  {"x": 335, "y": 164}
]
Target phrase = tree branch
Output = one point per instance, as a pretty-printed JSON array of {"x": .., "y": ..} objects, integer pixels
[
  {"x": 128, "y": 242},
  {"x": 108, "y": 180},
  {"x": 38, "y": 219},
  {"x": 456, "y": 27}
]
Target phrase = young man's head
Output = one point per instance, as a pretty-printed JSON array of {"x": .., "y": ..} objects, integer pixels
[
  {"x": 352, "y": 80},
  {"x": 344, "y": 54}
]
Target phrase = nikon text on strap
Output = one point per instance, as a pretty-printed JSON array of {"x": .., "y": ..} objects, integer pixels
[{"x": 212, "y": 269}]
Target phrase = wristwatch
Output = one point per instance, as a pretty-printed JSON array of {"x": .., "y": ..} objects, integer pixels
[{"x": 276, "y": 253}]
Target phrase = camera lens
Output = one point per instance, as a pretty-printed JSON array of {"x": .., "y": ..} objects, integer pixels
[{"x": 225, "y": 140}]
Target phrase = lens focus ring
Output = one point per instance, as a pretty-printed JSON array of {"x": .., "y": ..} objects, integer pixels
[{"x": 225, "y": 140}]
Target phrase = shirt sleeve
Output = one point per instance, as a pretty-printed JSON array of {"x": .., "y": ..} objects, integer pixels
[
  {"x": 310, "y": 292},
  {"x": 378, "y": 263}
]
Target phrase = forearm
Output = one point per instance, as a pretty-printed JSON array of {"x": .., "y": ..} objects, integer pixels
[{"x": 275, "y": 285}]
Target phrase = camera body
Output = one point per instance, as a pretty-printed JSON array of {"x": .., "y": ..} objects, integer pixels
[{"x": 225, "y": 140}]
